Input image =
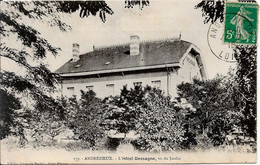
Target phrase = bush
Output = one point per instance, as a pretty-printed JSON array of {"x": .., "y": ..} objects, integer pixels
[
  {"x": 150, "y": 114},
  {"x": 190, "y": 142},
  {"x": 160, "y": 124},
  {"x": 86, "y": 119},
  {"x": 203, "y": 142},
  {"x": 213, "y": 100},
  {"x": 112, "y": 143}
]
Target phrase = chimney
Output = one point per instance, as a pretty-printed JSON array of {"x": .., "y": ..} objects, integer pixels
[
  {"x": 75, "y": 52},
  {"x": 134, "y": 45}
]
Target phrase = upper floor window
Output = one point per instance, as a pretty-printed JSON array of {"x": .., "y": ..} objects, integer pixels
[
  {"x": 110, "y": 88},
  {"x": 90, "y": 87},
  {"x": 71, "y": 91},
  {"x": 137, "y": 84},
  {"x": 156, "y": 84}
]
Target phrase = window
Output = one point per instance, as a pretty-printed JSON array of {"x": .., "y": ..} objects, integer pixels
[
  {"x": 90, "y": 87},
  {"x": 156, "y": 84},
  {"x": 137, "y": 84},
  {"x": 70, "y": 91},
  {"x": 110, "y": 89}
]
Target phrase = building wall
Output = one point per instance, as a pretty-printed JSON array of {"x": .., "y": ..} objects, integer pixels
[
  {"x": 188, "y": 71},
  {"x": 112, "y": 85},
  {"x": 102, "y": 86}
]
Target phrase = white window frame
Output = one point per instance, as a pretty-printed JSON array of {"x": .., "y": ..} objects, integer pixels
[
  {"x": 90, "y": 87},
  {"x": 110, "y": 89},
  {"x": 71, "y": 91},
  {"x": 139, "y": 83},
  {"x": 157, "y": 84}
]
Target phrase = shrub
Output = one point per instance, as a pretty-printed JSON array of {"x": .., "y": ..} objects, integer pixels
[
  {"x": 203, "y": 142},
  {"x": 215, "y": 114},
  {"x": 153, "y": 116},
  {"x": 160, "y": 124},
  {"x": 86, "y": 118},
  {"x": 190, "y": 142},
  {"x": 112, "y": 143}
]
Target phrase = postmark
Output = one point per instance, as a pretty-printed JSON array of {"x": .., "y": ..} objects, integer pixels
[
  {"x": 223, "y": 51},
  {"x": 240, "y": 25}
]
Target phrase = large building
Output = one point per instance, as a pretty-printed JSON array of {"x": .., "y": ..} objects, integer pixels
[{"x": 163, "y": 64}]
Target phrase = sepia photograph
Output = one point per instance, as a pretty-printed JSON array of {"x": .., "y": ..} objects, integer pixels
[{"x": 128, "y": 81}]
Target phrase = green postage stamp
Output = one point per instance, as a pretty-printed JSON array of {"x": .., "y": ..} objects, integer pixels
[{"x": 241, "y": 23}]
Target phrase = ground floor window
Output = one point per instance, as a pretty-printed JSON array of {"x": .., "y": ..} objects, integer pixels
[
  {"x": 137, "y": 84},
  {"x": 90, "y": 87},
  {"x": 71, "y": 91},
  {"x": 110, "y": 88},
  {"x": 156, "y": 84}
]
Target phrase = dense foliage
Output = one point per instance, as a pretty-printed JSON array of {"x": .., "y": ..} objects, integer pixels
[
  {"x": 220, "y": 104},
  {"x": 160, "y": 124},
  {"x": 123, "y": 111},
  {"x": 212, "y": 10},
  {"x": 215, "y": 114},
  {"x": 246, "y": 67},
  {"x": 246, "y": 91},
  {"x": 86, "y": 117},
  {"x": 28, "y": 48},
  {"x": 49, "y": 122},
  {"x": 154, "y": 118},
  {"x": 8, "y": 107}
]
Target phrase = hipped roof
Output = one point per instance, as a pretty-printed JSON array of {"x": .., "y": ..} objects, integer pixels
[{"x": 118, "y": 57}]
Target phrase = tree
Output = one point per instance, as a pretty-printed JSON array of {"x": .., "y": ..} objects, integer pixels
[
  {"x": 246, "y": 68},
  {"x": 8, "y": 107},
  {"x": 152, "y": 116},
  {"x": 123, "y": 111},
  {"x": 215, "y": 114},
  {"x": 87, "y": 118},
  {"x": 160, "y": 125},
  {"x": 212, "y": 10},
  {"x": 50, "y": 122},
  {"x": 132, "y": 3},
  {"x": 38, "y": 81},
  {"x": 246, "y": 91},
  {"x": 38, "y": 78}
]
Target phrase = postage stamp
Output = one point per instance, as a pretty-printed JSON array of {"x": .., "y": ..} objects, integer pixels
[{"x": 240, "y": 23}]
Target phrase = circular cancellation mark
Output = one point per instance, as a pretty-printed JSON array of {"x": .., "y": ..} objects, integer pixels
[{"x": 223, "y": 51}]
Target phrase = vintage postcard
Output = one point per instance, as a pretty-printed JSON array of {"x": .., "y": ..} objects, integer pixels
[{"x": 128, "y": 81}]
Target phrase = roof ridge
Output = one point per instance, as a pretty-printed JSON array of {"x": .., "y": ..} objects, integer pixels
[
  {"x": 152, "y": 54},
  {"x": 111, "y": 46},
  {"x": 161, "y": 40},
  {"x": 142, "y": 42}
]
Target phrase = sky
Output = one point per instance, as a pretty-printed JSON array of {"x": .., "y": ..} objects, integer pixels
[{"x": 161, "y": 19}]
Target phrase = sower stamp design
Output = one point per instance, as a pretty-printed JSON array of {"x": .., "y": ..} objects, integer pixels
[{"x": 241, "y": 23}]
